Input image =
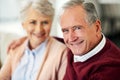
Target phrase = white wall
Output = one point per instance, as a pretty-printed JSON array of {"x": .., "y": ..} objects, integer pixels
[{"x": 9, "y": 21}]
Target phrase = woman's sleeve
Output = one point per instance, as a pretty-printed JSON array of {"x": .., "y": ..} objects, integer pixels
[
  {"x": 62, "y": 68},
  {"x": 5, "y": 72}
]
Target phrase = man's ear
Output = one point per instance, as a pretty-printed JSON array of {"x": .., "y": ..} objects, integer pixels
[
  {"x": 98, "y": 28},
  {"x": 98, "y": 25}
]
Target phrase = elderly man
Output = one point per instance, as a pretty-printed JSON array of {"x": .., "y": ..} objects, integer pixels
[{"x": 91, "y": 55}]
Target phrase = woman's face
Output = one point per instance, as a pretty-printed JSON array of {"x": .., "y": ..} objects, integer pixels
[{"x": 37, "y": 27}]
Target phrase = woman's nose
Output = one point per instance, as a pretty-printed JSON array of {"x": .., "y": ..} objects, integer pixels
[{"x": 39, "y": 28}]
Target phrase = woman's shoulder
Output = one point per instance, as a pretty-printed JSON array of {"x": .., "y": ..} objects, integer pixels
[
  {"x": 56, "y": 41},
  {"x": 59, "y": 39}
]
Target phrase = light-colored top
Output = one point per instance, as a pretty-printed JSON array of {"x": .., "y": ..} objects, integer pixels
[
  {"x": 29, "y": 63},
  {"x": 52, "y": 66},
  {"x": 88, "y": 55}
]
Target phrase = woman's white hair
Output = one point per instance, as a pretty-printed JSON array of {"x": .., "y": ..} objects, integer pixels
[{"x": 42, "y": 6}]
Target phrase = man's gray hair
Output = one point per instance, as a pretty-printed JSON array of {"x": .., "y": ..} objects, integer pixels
[
  {"x": 42, "y": 6},
  {"x": 89, "y": 7}
]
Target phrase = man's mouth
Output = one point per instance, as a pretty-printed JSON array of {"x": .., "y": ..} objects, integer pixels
[{"x": 76, "y": 43}]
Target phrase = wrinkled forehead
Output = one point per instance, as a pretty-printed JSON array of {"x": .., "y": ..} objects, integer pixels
[{"x": 73, "y": 16}]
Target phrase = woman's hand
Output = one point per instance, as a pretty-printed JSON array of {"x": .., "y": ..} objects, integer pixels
[{"x": 16, "y": 43}]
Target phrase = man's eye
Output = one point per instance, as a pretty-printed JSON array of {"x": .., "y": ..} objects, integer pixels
[
  {"x": 64, "y": 30},
  {"x": 76, "y": 27}
]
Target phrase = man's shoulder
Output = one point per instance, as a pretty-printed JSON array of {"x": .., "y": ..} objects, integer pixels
[{"x": 113, "y": 46}]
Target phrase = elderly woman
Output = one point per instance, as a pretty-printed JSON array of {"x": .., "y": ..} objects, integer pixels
[{"x": 39, "y": 57}]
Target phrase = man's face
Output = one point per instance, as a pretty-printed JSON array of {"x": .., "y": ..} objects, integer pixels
[{"x": 79, "y": 35}]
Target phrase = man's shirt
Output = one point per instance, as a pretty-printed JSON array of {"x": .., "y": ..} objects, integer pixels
[{"x": 92, "y": 52}]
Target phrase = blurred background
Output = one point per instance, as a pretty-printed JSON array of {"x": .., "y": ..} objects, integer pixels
[{"x": 10, "y": 25}]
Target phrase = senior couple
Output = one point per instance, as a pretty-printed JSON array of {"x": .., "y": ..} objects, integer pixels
[{"x": 89, "y": 55}]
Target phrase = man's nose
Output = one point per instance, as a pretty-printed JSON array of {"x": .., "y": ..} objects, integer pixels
[{"x": 72, "y": 36}]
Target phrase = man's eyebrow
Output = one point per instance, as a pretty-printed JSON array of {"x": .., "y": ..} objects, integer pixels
[
  {"x": 77, "y": 26},
  {"x": 63, "y": 28}
]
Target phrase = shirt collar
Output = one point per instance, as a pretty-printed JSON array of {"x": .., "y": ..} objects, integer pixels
[
  {"x": 92, "y": 52},
  {"x": 38, "y": 48}
]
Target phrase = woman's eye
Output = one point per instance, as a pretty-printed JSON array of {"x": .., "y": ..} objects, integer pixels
[
  {"x": 45, "y": 22},
  {"x": 33, "y": 22}
]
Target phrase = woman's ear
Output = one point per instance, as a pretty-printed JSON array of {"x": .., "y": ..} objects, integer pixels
[{"x": 23, "y": 25}]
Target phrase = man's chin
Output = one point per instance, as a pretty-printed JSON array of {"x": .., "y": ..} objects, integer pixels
[{"x": 77, "y": 52}]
